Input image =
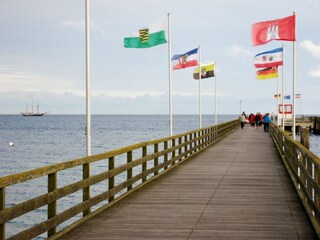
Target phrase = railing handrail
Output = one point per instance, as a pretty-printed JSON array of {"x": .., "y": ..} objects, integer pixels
[
  {"x": 43, "y": 171},
  {"x": 303, "y": 167},
  {"x": 180, "y": 148}
]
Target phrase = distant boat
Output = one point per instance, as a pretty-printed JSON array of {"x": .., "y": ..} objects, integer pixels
[{"x": 32, "y": 113}]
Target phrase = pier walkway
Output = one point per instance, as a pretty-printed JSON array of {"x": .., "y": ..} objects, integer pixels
[{"x": 236, "y": 189}]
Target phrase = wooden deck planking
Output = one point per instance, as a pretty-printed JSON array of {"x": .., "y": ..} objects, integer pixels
[{"x": 237, "y": 189}]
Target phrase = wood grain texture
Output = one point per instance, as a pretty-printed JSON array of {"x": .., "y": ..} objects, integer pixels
[{"x": 236, "y": 189}]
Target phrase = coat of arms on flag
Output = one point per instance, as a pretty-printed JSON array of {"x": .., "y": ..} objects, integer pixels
[
  {"x": 185, "y": 60},
  {"x": 144, "y": 34},
  {"x": 277, "y": 29},
  {"x": 147, "y": 36}
]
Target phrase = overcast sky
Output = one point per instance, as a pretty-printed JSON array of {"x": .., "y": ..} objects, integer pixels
[{"x": 42, "y": 54}]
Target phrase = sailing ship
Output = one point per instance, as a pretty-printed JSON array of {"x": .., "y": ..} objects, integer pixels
[{"x": 32, "y": 113}]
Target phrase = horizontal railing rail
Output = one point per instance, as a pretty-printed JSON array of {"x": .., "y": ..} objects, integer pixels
[
  {"x": 156, "y": 158},
  {"x": 303, "y": 167}
]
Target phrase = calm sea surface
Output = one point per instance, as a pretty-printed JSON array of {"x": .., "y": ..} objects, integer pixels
[{"x": 42, "y": 141}]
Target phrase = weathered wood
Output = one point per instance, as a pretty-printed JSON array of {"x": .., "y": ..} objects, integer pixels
[
  {"x": 304, "y": 136},
  {"x": 2, "y": 207},
  {"x": 52, "y": 207},
  {"x": 55, "y": 194},
  {"x": 86, "y": 190},
  {"x": 144, "y": 164},
  {"x": 111, "y": 178},
  {"x": 316, "y": 126},
  {"x": 299, "y": 161},
  {"x": 165, "y": 158},
  {"x": 229, "y": 191},
  {"x": 129, "y": 171},
  {"x": 156, "y": 159}
]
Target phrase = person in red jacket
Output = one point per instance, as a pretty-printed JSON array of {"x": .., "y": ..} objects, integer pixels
[
  {"x": 258, "y": 119},
  {"x": 251, "y": 120}
]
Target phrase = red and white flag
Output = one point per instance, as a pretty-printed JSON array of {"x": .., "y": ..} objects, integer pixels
[
  {"x": 188, "y": 59},
  {"x": 278, "y": 29}
]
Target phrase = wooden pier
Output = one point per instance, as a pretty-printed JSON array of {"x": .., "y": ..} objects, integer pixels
[{"x": 237, "y": 189}]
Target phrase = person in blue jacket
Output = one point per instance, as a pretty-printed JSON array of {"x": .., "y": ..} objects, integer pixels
[{"x": 266, "y": 122}]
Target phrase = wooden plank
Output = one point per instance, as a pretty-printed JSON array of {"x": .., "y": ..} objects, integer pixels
[{"x": 237, "y": 189}]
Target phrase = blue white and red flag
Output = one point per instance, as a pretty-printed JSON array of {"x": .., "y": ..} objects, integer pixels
[
  {"x": 272, "y": 58},
  {"x": 188, "y": 59}
]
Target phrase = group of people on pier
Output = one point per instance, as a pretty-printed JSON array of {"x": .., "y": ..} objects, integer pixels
[{"x": 256, "y": 120}]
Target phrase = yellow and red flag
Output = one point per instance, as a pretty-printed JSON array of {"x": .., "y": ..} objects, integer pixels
[{"x": 267, "y": 73}]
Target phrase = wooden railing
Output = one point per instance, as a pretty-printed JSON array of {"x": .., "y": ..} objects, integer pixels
[
  {"x": 304, "y": 169},
  {"x": 140, "y": 163}
]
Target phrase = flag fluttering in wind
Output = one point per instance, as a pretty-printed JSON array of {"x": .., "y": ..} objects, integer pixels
[
  {"x": 278, "y": 29},
  {"x": 298, "y": 95},
  {"x": 188, "y": 59},
  {"x": 287, "y": 97},
  {"x": 277, "y": 95},
  {"x": 146, "y": 37},
  {"x": 206, "y": 72},
  {"x": 272, "y": 58},
  {"x": 267, "y": 73}
]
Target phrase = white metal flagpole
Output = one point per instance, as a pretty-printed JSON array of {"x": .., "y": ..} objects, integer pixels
[
  {"x": 170, "y": 74},
  {"x": 215, "y": 95},
  {"x": 200, "y": 115},
  {"x": 293, "y": 90},
  {"x": 277, "y": 100},
  {"x": 86, "y": 166},
  {"x": 88, "y": 91},
  {"x": 282, "y": 95}
]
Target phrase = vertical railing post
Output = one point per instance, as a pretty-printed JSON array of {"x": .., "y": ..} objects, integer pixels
[
  {"x": 173, "y": 153},
  {"x": 52, "y": 207},
  {"x": 129, "y": 171},
  {"x": 111, "y": 179},
  {"x": 195, "y": 142},
  {"x": 317, "y": 182},
  {"x": 313, "y": 190},
  {"x": 186, "y": 145},
  {"x": 86, "y": 190},
  {"x": 212, "y": 134},
  {"x": 208, "y": 136},
  {"x": 298, "y": 157},
  {"x": 180, "y": 150},
  {"x": 144, "y": 165},
  {"x": 204, "y": 138},
  {"x": 165, "y": 157},
  {"x": 2, "y": 207},
  {"x": 216, "y": 132},
  {"x": 156, "y": 159},
  {"x": 190, "y": 144},
  {"x": 310, "y": 171}
]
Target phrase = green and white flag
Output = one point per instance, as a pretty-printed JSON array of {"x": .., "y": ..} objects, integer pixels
[{"x": 146, "y": 37}]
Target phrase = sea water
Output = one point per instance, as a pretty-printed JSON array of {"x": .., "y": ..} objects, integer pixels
[
  {"x": 42, "y": 141},
  {"x": 31, "y": 142}
]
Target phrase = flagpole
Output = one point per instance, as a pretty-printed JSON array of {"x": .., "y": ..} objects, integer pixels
[
  {"x": 282, "y": 96},
  {"x": 293, "y": 90},
  {"x": 88, "y": 107},
  {"x": 278, "y": 98},
  {"x": 200, "y": 117},
  {"x": 215, "y": 95},
  {"x": 86, "y": 166},
  {"x": 170, "y": 73}
]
